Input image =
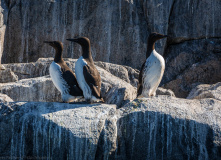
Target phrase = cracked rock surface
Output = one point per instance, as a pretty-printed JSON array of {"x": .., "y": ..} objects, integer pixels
[{"x": 152, "y": 128}]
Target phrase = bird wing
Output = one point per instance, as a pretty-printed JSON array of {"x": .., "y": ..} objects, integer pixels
[
  {"x": 69, "y": 76},
  {"x": 145, "y": 68},
  {"x": 93, "y": 79}
]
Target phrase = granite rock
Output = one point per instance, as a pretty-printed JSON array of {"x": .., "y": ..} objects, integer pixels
[
  {"x": 162, "y": 127},
  {"x": 187, "y": 66},
  {"x": 206, "y": 91},
  {"x": 4, "y": 98},
  {"x": 7, "y": 75},
  {"x": 41, "y": 89},
  {"x": 56, "y": 130}
]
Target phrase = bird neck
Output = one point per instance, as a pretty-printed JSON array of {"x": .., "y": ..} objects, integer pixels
[
  {"x": 87, "y": 53},
  {"x": 150, "y": 48},
  {"x": 58, "y": 55}
]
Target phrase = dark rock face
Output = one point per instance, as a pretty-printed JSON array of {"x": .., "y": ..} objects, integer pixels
[
  {"x": 195, "y": 19},
  {"x": 188, "y": 66},
  {"x": 114, "y": 32}
]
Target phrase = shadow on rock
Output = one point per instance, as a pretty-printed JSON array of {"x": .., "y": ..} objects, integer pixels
[{"x": 51, "y": 130}]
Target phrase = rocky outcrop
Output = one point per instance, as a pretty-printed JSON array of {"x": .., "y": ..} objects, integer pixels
[
  {"x": 170, "y": 128},
  {"x": 192, "y": 53},
  {"x": 6, "y": 75},
  {"x": 113, "y": 89},
  {"x": 206, "y": 91},
  {"x": 56, "y": 130},
  {"x": 41, "y": 68},
  {"x": 125, "y": 73},
  {"x": 4, "y": 98},
  {"x": 163, "y": 91},
  {"x": 29, "y": 70},
  {"x": 116, "y": 82},
  {"x": 154, "y": 128},
  {"x": 188, "y": 66},
  {"x": 39, "y": 89}
]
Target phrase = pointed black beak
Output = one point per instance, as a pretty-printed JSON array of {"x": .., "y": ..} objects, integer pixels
[
  {"x": 73, "y": 40},
  {"x": 163, "y": 36},
  {"x": 49, "y": 42}
]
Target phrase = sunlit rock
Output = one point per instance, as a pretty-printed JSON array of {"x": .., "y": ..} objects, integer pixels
[
  {"x": 161, "y": 127},
  {"x": 56, "y": 130},
  {"x": 163, "y": 91},
  {"x": 170, "y": 128},
  {"x": 206, "y": 91},
  {"x": 4, "y": 98},
  {"x": 41, "y": 89}
]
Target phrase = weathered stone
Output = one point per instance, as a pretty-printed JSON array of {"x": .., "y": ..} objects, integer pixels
[
  {"x": 41, "y": 68},
  {"x": 170, "y": 128},
  {"x": 34, "y": 89},
  {"x": 123, "y": 28},
  {"x": 114, "y": 90},
  {"x": 163, "y": 91},
  {"x": 161, "y": 127},
  {"x": 119, "y": 91},
  {"x": 206, "y": 91},
  {"x": 4, "y": 98},
  {"x": 7, "y": 75},
  {"x": 116, "y": 29},
  {"x": 196, "y": 20},
  {"x": 197, "y": 63},
  {"x": 29, "y": 70},
  {"x": 125, "y": 73},
  {"x": 56, "y": 130},
  {"x": 2, "y": 67}
]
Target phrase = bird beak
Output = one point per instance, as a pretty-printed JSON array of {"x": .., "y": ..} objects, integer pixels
[
  {"x": 164, "y": 36},
  {"x": 73, "y": 40},
  {"x": 49, "y": 42}
]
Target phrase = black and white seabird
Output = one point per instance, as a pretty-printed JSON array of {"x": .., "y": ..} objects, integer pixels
[
  {"x": 62, "y": 76},
  {"x": 87, "y": 74},
  {"x": 152, "y": 69}
]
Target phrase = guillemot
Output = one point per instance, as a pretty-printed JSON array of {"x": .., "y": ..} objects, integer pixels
[
  {"x": 87, "y": 74},
  {"x": 152, "y": 69},
  {"x": 62, "y": 76}
]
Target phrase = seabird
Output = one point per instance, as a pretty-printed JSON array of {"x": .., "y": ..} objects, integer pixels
[
  {"x": 152, "y": 69},
  {"x": 87, "y": 74},
  {"x": 62, "y": 76}
]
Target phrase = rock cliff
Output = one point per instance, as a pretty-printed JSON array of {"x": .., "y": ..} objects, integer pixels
[
  {"x": 118, "y": 31},
  {"x": 163, "y": 127},
  {"x": 154, "y": 128}
]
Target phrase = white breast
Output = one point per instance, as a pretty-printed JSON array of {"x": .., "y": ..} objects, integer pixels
[
  {"x": 80, "y": 77},
  {"x": 153, "y": 73},
  {"x": 57, "y": 79}
]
